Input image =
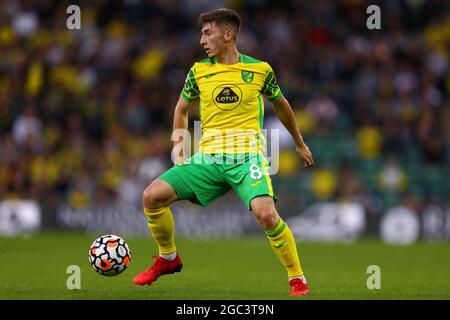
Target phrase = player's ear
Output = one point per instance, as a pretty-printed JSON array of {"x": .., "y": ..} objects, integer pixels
[{"x": 229, "y": 35}]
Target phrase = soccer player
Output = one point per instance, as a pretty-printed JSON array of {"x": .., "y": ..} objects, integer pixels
[{"x": 229, "y": 86}]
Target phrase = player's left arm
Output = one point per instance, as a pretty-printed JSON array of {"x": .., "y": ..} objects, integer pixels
[{"x": 284, "y": 112}]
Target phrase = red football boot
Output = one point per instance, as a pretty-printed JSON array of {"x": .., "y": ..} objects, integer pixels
[
  {"x": 160, "y": 267},
  {"x": 299, "y": 287}
]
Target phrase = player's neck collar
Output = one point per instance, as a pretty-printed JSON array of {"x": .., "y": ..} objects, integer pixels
[{"x": 241, "y": 59}]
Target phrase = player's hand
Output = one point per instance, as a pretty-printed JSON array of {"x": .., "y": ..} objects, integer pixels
[
  {"x": 179, "y": 161},
  {"x": 178, "y": 155},
  {"x": 306, "y": 155}
]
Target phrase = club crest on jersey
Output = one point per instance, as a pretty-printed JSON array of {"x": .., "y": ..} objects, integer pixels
[
  {"x": 227, "y": 96},
  {"x": 247, "y": 76}
]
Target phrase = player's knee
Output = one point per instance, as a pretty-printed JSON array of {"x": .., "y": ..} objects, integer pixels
[
  {"x": 267, "y": 217},
  {"x": 148, "y": 197},
  {"x": 153, "y": 198}
]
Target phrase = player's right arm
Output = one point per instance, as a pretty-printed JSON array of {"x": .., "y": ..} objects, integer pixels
[
  {"x": 180, "y": 126},
  {"x": 188, "y": 97}
]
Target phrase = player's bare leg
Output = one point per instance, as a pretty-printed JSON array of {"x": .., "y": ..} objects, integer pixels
[
  {"x": 282, "y": 242},
  {"x": 157, "y": 197},
  {"x": 158, "y": 194}
]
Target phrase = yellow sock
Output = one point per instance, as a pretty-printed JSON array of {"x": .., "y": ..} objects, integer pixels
[
  {"x": 283, "y": 244},
  {"x": 161, "y": 225}
]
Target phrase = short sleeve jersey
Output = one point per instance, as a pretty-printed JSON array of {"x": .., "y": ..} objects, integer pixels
[{"x": 231, "y": 103}]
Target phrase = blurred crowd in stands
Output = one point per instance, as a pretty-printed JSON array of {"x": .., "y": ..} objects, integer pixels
[{"x": 86, "y": 115}]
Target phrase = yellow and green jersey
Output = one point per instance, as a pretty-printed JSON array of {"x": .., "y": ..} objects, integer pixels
[{"x": 231, "y": 103}]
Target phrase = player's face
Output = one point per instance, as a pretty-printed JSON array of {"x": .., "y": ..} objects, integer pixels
[{"x": 213, "y": 39}]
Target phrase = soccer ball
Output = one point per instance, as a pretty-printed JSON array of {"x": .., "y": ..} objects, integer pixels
[{"x": 109, "y": 255}]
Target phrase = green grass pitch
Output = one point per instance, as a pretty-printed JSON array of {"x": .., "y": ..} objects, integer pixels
[{"x": 221, "y": 269}]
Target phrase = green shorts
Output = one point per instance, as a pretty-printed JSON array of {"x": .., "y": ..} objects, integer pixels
[{"x": 205, "y": 177}]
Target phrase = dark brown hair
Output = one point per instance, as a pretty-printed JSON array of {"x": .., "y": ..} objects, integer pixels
[{"x": 220, "y": 17}]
